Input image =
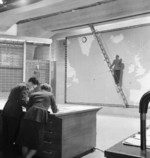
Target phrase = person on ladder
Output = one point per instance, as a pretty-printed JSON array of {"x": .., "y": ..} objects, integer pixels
[{"x": 116, "y": 64}]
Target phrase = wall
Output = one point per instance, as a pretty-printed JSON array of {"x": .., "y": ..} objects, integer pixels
[
  {"x": 11, "y": 31},
  {"x": 58, "y": 56},
  {"x": 88, "y": 78}
]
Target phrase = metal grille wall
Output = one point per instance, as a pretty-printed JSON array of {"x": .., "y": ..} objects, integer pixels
[
  {"x": 39, "y": 69},
  {"x": 11, "y": 65}
]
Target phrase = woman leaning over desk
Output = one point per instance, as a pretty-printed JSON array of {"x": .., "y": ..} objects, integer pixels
[
  {"x": 32, "y": 126},
  {"x": 12, "y": 114}
]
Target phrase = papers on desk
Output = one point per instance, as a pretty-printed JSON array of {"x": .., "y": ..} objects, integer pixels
[{"x": 135, "y": 140}]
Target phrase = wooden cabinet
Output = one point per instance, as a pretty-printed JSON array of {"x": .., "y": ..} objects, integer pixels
[
  {"x": 70, "y": 134},
  {"x": 52, "y": 138}
]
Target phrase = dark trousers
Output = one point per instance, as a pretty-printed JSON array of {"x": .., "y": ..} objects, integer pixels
[
  {"x": 10, "y": 128},
  {"x": 117, "y": 76}
]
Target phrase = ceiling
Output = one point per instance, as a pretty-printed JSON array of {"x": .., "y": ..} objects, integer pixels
[
  {"x": 16, "y": 11},
  {"x": 13, "y": 4},
  {"x": 37, "y": 18}
]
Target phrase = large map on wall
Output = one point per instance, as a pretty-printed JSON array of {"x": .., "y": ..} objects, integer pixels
[{"x": 88, "y": 77}]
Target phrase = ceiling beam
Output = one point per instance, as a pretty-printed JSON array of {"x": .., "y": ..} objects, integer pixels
[
  {"x": 42, "y": 8},
  {"x": 25, "y": 39},
  {"x": 117, "y": 9}
]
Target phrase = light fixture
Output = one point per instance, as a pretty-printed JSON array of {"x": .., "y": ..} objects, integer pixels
[
  {"x": 84, "y": 39},
  {"x": 1, "y": 2}
]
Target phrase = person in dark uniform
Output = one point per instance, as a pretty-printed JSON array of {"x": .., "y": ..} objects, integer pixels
[
  {"x": 33, "y": 84},
  {"x": 11, "y": 115},
  {"x": 116, "y": 64},
  {"x": 32, "y": 126}
]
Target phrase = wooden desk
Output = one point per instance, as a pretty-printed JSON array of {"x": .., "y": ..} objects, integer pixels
[
  {"x": 70, "y": 133},
  {"x": 125, "y": 151}
]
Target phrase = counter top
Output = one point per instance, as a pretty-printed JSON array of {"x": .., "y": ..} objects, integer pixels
[{"x": 65, "y": 109}]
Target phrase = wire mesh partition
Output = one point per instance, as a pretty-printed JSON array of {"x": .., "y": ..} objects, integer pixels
[
  {"x": 38, "y": 62},
  {"x": 11, "y": 68},
  {"x": 11, "y": 65},
  {"x": 20, "y": 60},
  {"x": 39, "y": 69}
]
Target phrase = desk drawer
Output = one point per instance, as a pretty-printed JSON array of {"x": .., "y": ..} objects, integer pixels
[
  {"x": 49, "y": 136},
  {"x": 50, "y": 154},
  {"x": 52, "y": 125},
  {"x": 52, "y": 145},
  {"x": 52, "y": 134}
]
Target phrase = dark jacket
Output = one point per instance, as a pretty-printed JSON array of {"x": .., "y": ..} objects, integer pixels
[
  {"x": 37, "y": 89},
  {"x": 16, "y": 100},
  {"x": 39, "y": 103}
]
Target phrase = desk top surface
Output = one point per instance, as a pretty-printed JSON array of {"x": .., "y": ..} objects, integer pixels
[
  {"x": 65, "y": 109},
  {"x": 125, "y": 151}
]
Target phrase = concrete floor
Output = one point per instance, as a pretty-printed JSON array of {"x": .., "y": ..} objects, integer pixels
[{"x": 113, "y": 125}]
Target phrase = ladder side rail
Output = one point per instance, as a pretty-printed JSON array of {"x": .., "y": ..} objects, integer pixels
[{"x": 98, "y": 38}]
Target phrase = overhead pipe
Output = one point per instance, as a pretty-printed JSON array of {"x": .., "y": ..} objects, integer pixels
[{"x": 145, "y": 99}]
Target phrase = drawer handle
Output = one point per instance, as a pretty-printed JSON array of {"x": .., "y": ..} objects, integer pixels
[
  {"x": 48, "y": 152},
  {"x": 48, "y": 142},
  {"x": 49, "y": 131}
]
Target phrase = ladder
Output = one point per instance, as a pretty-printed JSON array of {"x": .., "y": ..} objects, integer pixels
[{"x": 99, "y": 40}]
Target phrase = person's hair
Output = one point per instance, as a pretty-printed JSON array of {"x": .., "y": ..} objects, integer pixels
[
  {"x": 17, "y": 91},
  {"x": 46, "y": 87},
  {"x": 34, "y": 80}
]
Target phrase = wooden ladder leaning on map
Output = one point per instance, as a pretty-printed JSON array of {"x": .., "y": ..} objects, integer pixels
[{"x": 99, "y": 40}]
